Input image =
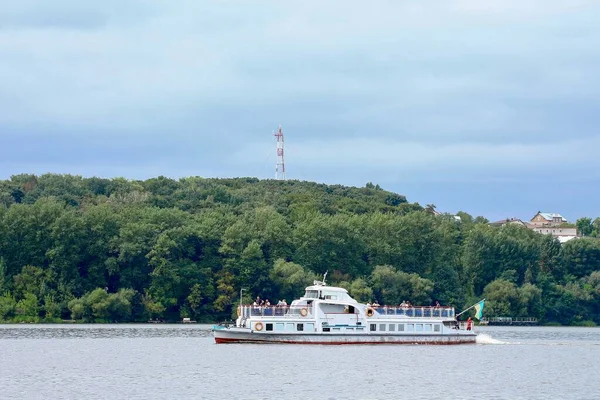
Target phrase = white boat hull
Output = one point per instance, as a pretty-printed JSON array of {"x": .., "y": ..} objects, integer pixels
[{"x": 244, "y": 335}]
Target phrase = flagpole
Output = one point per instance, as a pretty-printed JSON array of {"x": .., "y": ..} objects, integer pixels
[{"x": 465, "y": 310}]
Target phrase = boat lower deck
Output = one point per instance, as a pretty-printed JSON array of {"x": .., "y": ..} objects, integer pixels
[{"x": 237, "y": 335}]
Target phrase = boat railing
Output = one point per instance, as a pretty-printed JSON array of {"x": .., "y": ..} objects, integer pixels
[
  {"x": 247, "y": 311},
  {"x": 431, "y": 312}
]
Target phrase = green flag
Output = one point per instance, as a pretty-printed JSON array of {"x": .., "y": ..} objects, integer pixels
[{"x": 479, "y": 309}]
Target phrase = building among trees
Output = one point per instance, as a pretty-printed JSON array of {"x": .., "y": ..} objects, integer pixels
[{"x": 553, "y": 224}]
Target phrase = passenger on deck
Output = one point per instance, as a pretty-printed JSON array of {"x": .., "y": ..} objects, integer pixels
[
  {"x": 437, "y": 304},
  {"x": 267, "y": 303},
  {"x": 403, "y": 304},
  {"x": 256, "y": 306},
  {"x": 375, "y": 304}
]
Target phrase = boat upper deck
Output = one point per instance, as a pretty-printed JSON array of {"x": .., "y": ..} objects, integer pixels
[{"x": 295, "y": 311}]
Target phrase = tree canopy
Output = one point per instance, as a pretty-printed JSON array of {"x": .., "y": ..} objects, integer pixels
[{"x": 118, "y": 250}]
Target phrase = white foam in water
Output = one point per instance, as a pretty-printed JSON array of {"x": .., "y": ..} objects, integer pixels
[{"x": 483, "y": 338}]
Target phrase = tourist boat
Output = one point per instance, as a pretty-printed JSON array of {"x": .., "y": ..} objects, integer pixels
[{"x": 329, "y": 315}]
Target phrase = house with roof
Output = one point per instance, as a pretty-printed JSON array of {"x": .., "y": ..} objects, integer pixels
[
  {"x": 553, "y": 224},
  {"x": 507, "y": 221},
  {"x": 547, "y": 219}
]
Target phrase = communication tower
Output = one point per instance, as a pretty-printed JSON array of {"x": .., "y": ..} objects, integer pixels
[{"x": 280, "y": 166}]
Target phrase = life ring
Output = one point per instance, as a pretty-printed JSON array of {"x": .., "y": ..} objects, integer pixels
[
  {"x": 303, "y": 312},
  {"x": 258, "y": 326},
  {"x": 370, "y": 312}
]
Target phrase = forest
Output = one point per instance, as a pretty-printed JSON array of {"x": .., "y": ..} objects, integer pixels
[{"x": 119, "y": 250}]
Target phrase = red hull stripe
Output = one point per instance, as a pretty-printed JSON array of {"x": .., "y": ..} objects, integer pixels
[{"x": 225, "y": 340}]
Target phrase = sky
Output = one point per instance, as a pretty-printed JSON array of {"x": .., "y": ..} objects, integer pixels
[{"x": 489, "y": 107}]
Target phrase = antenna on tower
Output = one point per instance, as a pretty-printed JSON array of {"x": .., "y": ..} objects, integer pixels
[{"x": 280, "y": 166}]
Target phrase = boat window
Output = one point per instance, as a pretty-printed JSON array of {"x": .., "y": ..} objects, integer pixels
[
  {"x": 392, "y": 327},
  {"x": 436, "y": 328},
  {"x": 312, "y": 294},
  {"x": 410, "y": 327},
  {"x": 310, "y": 327},
  {"x": 382, "y": 327},
  {"x": 427, "y": 327},
  {"x": 400, "y": 327},
  {"x": 330, "y": 295},
  {"x": 300, "y": 327},
  {"x": 419, "y": 327},
  {"x": 373, "y": 327},
  {"x": 279, "y": 326},
  {"x": 337, "y": 329},
  {"x": 269, "y": 327},
  {"x": 326, "y": 329},
  {"x": 289, "y": 326}
]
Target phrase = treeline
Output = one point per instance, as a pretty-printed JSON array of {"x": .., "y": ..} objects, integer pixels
[{"x": 115, "y": 250}]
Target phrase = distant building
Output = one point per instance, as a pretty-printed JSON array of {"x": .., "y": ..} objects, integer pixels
[
  {"x": 507, "y": 221},
  {"x": 563, "y": 234},
  {"x": 437, "y": 213},
  {"x": 544, "y": 223},
  {"x": 547, "y": 219},
  {"x": 552, "y": 224}
]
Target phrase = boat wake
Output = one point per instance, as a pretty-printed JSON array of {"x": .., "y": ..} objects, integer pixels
[{"x": 483, "y": 338}]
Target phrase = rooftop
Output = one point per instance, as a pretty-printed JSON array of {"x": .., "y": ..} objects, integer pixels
[{"x": 551, "y": 216}]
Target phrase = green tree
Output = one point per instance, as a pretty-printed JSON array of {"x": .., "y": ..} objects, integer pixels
[
  {"x": 3, "y": 276},
  {"x": 584, "y": 226},
  {"x": 596, "y": 225},
  {"x": 27, "y": 309},
  {"x": 52, "y": 309},
  {"x": 502, "y": 299},
  {"x": 290, "y": 279},
  {"x": 392, "y": 287},
  {"x": 581, "y": 257},
  {"x": 8, "y": 305},
  {"x": 359, "y": 289}
]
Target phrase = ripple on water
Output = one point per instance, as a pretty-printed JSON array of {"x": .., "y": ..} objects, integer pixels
[{"x": 89, "y": 331}]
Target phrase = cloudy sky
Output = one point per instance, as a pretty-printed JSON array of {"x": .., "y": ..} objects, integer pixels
[{"x": 491, "y": 107}]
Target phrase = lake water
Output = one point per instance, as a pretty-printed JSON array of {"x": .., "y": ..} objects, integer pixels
[{"x": 182, "y": 362}]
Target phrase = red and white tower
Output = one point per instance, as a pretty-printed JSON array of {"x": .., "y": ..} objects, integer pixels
[{"x": 280, "y": 166}]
